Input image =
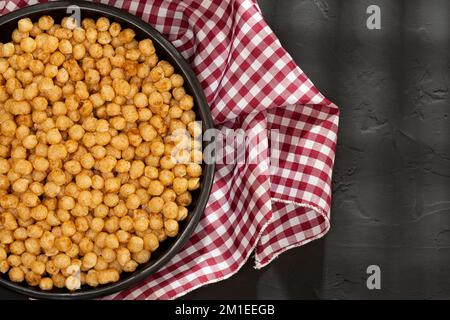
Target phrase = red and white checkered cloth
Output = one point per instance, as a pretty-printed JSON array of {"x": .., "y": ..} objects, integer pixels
[{"x": 252, "y": 83}]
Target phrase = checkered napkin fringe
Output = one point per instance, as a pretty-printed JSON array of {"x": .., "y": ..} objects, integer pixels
[{"x": 251, "y": 83}]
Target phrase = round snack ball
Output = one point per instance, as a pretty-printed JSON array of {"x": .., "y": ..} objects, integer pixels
[
  {"x": 16, "y": 274},
  {"x": 45, "y": 22},
  {"x": 25, "y": 25},
  {"x": 170, "y": 210},
  {"x": 89, "y": 260},
  {"x": 155, "y": 205},
  {"x": 135, "y": 244},
  {"x": 46, "y": 284},
  {"x": 62, "y": 261},
  {"x": 171, "y": 227},
  {"x": 151, "y": 242}
]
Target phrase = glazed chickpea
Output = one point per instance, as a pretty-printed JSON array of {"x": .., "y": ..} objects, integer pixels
[
  {"x": 25, "y": 25},
  {"x": 68, "y": 228},
  {"x": 17, "y": 247},
  {"x": 27, "y": 259},
  {"x": 108, "y": 254},
  {"x": 151, "y": 242},
  {"x": 4, "y": 166},
  {"x": 18, "y": 153},
  {"x": 3, "y": 254},
  {"x": 6, "y": 237},
  {"x": 14, "y": 260},
  {"x": 107, "y": 164},
  {"x": 83, "y": 181},
  {"x": 147, "y": 132},
  {"x": 35, "y": 231},
  {"x": 16, "y": 274},
  {"x": 45, "y": 23},
  {"x": 58, "y": 280},
  {"x": 151, "y": 172},
  {"x": 123, "y": 236},
  {"x": 184, "y": 199},
  {"x": 157, "y": 148},
  {"x": 194, "y": 170},
  {"x": 73, "y": 167},
  {"x": 140, "y": 224},
  {"x": 38, "y": 267},
  {"x": 180, "y": 185},
  {"x": 22, "y": 166},
  {"x": 140, "y": 100},
  {"x": 107, "y": 93},
  {"x": 168, "y": 195},
  {"x": 155, "y": 188},
  {"x": 157, "y": 122},
  {"x": 121, "y": 87},
  {"x": 32, "y": 245},
  {"x": 39, "y": 212},
  {"x": 130, "y": 113},
  {"x": 54, "y": 136},
  {"x": 146, "y": 47},
  {"x": 87, "y": 161},
  {"x": 28, "y": 44},
  {"x": 156, "y": 204},
  {"x": 9, "y": 201},
  {"x": 99, "y": 152},
  {"x": 111, "y": 241},
  {"x": 175, "y": 112},
  {"x": 171, "y": 227},
  {"x": 176, "y": 80},
  {"x": 135, "y": 244},
  {"x": 126, "y": 223},
  {"x": 122, "y": 166},
  {"x": 101, "y": 211},
  {"x": 133, "y": 202},
  {"x": 20, "y": 185},
  {"x": 46, "y": 284},
  {"x": 112, "y": 224},
  {"x": 193, "y": 184},
  {"x": 62, "y": 261},
  {"x": 182, "y": 213},
  {"x": 166, "y": 177},
  {"x": 107, "y": 276},
  {"x": 57, "y": 176},
  {"x": 155, "y": 100},
  {"x": 89, "y": 261},
  {"x": 170, "y": 210},
  {"x": 137, "y": 169},
  {"x": 78, "y": 51},
  {"x": 179, "y": 170},
  {"x": 47, "y": 240},
  {"x": 156, "y": 222},
  {"x": 97, "y": 224},
  {"x": 120, "y": 142},
  {"x": 57, "y": 151},
  {"x": 79, "y": 35}
]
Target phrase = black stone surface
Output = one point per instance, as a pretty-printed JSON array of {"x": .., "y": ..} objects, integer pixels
[{"x": 391, "y": 204}]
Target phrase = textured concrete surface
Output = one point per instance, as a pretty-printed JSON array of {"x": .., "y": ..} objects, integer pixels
[{"x": 391, "y": 203}]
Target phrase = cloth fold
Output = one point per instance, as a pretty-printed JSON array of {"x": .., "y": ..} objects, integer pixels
[{"x": 280, "y": 197}]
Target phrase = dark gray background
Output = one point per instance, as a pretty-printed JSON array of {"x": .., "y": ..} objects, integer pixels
[{"x": 391, "y": 201}]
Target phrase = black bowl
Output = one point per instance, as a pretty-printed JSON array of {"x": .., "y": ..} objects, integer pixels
[{"x": 166, "y": 51}]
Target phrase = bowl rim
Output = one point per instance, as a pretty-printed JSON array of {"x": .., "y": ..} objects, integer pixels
[{"x": 205, "y": 114}]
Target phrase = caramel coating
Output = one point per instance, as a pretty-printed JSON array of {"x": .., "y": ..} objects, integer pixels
[{"x": 93, "y": 172}]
